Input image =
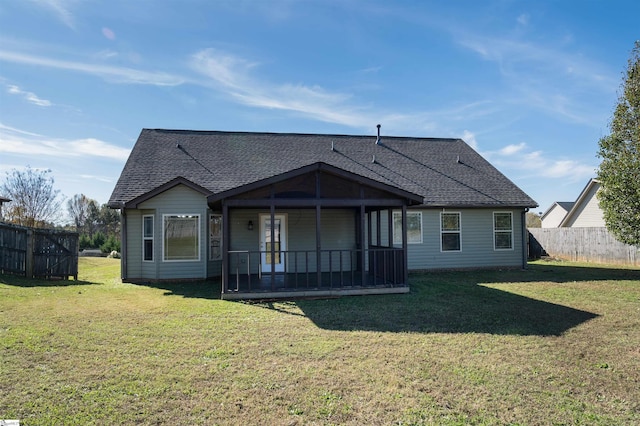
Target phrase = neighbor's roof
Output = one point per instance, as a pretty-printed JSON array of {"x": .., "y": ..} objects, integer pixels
[
  {"x": 564, "y": 205},
  {"x": 445, "y": 172}
]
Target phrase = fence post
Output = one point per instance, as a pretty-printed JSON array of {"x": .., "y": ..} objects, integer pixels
[{"x": 29, "y": 255}]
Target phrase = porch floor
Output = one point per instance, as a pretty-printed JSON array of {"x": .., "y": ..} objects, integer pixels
[{"x": 245, "y": 286}]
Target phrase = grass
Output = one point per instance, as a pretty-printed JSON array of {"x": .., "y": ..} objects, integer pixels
[{"x": 556, "y": 344}]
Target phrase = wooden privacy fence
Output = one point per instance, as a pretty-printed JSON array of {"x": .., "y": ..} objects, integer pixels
[
  {"x": 38, "y": 253},
  {"x": 595, "y": 245}
]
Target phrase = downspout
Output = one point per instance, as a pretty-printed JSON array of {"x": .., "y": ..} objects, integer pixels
[
  {"x": 523, "y": 220},
  {"x": 123, "y": 243}
]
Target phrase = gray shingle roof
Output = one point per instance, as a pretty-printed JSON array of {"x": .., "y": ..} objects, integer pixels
[{"x": 446, "y": 172}]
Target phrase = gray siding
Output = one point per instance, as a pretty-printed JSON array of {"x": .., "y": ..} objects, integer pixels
[
  {"x": 477, "y": 248},
  {"x": 476, "y": 241},
  {"x": 178, "y": 200},
  {"x": 134, "y": 244},
  {"x": 338, "y": 232}
]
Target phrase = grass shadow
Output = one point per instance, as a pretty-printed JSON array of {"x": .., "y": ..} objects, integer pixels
[
  {"x": 457, "y": 302},
  {"x": 205, "y": 289},
  {"x": 20, "y": 281}
]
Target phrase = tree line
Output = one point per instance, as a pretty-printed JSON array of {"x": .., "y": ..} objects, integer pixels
[{"x": 37, "y": 204}]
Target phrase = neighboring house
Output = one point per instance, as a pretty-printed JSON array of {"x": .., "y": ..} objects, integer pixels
[
  {"x": 585, "y": 212},
  {"x": 284, "y": 215},
  {"x": 554, "y": 214}
]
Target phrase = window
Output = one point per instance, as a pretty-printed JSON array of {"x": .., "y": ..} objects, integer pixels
[
  {"x": 215, "y": 237},
  {"x": 181, "y": 239},
  {"x": 450, "y": 232},
  {"x": 414, "y": 227},
  {"x": 502, "y": 231},
  {"x": 147, "y": 238}
]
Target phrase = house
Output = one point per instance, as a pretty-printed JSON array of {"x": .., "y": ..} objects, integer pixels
[
  {"x": 284, "y": 215},
  {"x": 585, "y": 212},
  {"x": 554, "y": 214}
]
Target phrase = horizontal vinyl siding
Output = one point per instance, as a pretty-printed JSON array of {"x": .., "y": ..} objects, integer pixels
[
  {"x": 590, "y": 215},
  {"x": 134, "y": 244},
  {"x": 476, "y": 241},
  {"x": 338, "y": 232},
  {"x": 554, "y": 217},
  {"x": 178, "y": 200}
]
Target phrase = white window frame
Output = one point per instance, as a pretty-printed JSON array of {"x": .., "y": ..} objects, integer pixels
[
  {"x": 146, "y": 238},
  {"x": 448, "y": 231},
  {"x": 164, "y": 237},
  {"x": 397, "y": 237},
  {"x": 212, "y": 237},
  {"x": 496, "y": 231}
]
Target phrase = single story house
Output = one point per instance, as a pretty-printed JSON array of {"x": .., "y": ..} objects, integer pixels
[
  {"x": 585, "y": 212},
  {"x": 288, "y": 215},
  {"x": 555, "y": 214}
]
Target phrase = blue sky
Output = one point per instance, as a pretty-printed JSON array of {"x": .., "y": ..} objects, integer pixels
[{"x": 530, "y": 85}]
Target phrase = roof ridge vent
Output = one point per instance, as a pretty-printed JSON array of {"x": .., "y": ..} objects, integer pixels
[{"x": 378, "y": 138}]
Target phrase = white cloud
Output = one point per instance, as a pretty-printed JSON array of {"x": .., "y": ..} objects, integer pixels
[
  {"x": 470, "y": 139},
  {"x": 232, "y": 74},
  {"x": 117, "y": 74},
  {"x": 61, "y": 8},
  {"x": 28, "y": 96},
  {"x": 517, "y": 158},
  {"x": 18, "y": 142},
  {"x": 513, "y": 148}
]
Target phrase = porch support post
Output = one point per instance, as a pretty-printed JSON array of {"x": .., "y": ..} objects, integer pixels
[
  {"x": 362, "y": 245},
  {"x": 319, "y": 247},
  {"x": 378, "y": 228},
  {"x": 225, "y": 247},
  {"x": 273, "y": 246},
  {"x": 405, "y": 265},
  {"x": 319, "y": 233},
  {"x": 369, "y": 228},
  {"x": 390, "y": 226}
]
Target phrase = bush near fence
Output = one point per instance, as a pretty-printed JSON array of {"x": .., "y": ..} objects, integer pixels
[{"x": 595, "y": 245}]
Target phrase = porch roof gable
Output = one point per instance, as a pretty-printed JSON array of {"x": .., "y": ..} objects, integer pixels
[{"x": 320, "y": 167}]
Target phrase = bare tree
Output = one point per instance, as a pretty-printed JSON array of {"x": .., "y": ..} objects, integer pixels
[
  {"x": 78, "y": 208},
  {"x": 34, "y": 200}
]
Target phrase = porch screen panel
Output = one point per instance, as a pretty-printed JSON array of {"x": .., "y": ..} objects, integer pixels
[
  {"x": 276, "y": 243},
  {"x": 181, "y": 237},
  {"x": 215, "y": 237},
  {"x": 414, "y": 228}
]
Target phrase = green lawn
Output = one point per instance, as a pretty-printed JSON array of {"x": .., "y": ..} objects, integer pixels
[{"x": 556, "y": 344}]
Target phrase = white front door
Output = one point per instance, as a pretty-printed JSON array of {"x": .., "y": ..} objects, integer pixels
[{"x": 279, "y": 241}]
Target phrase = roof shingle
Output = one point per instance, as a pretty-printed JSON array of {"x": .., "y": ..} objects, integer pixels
[{"x": 446, "y": 172}]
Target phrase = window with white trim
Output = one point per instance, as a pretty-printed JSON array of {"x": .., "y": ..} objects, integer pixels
[
  {"x": 147, "y": 238},
  {"x": 450, "y": 232},
  {"x": 181, "y": 237},
  {"x": 414, "y": 228},
  {"x": 502, "y": 231},
  {"x": 215, "y": 237}
]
